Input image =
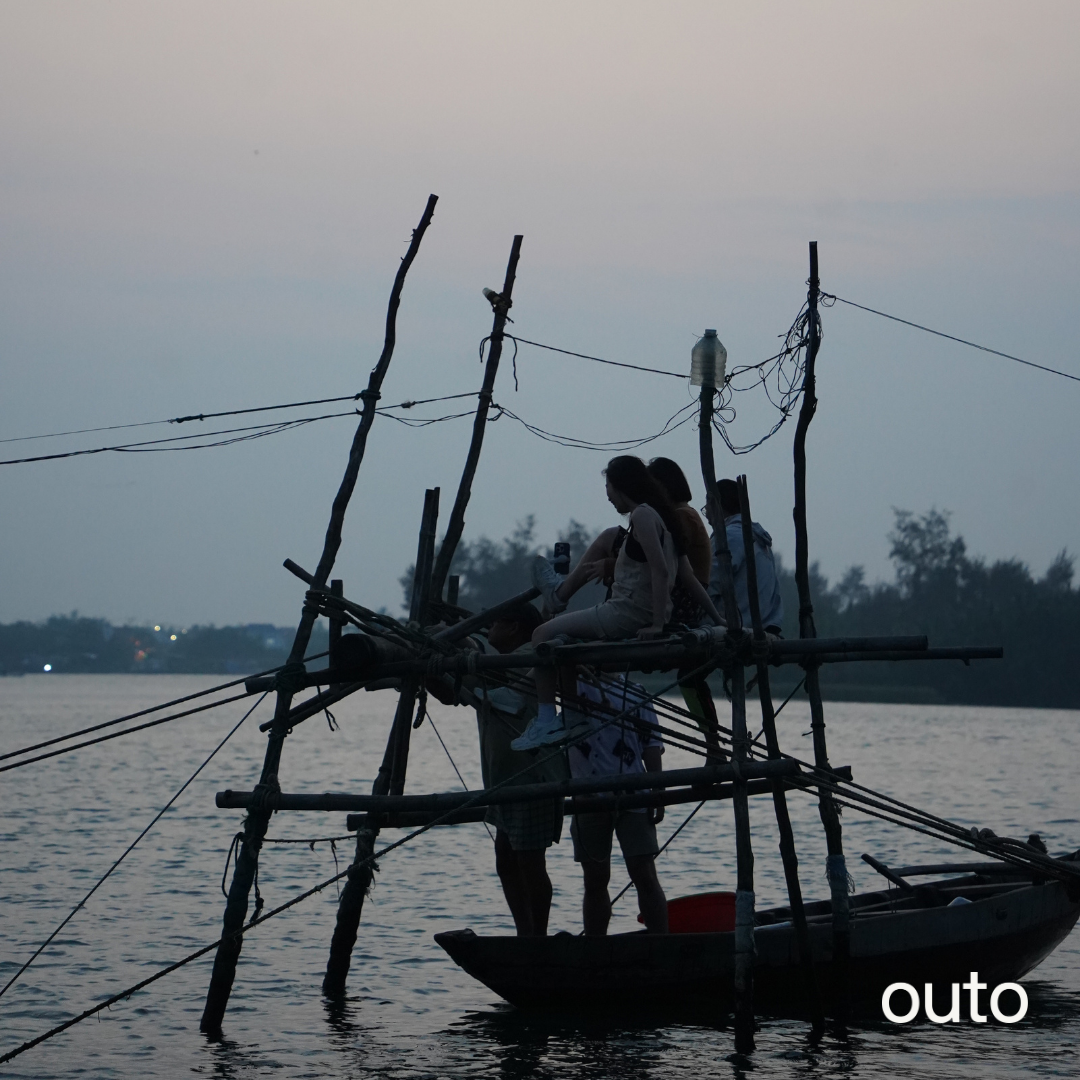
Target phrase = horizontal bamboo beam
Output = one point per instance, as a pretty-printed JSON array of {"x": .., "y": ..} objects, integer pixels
[
  {"x": 380, "y": 659},
  {"x": 485, "y": 618},
  {"x": 961, "y": 652},
  {"x": 584, "y": 804},
  {"x": 453, "y": 800},
  {"x": 313, "y": 706}
]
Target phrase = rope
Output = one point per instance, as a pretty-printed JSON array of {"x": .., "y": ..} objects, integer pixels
[
  {"x": 131, "y": 847},
  {"x": 597, "y": 359},
  {"x": 587, "y": 444},
  {"x": 143, "y": 712},
  {"x": 230, "y": 412},
  {"x": 686, "y": 821},
  {"x": 949, "y": 337},
  {"x": 126, "y": 731},
  {"x": 431, "y": 724}
]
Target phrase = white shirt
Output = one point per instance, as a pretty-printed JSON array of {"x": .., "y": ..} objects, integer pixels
[{"x": 615, "y": 748}]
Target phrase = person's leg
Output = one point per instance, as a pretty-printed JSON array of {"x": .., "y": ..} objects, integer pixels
[
  {"x": 581, "y": 624},
  {"x": 537, "y": 888},
  {"x": 699, "y": 701},
  {"x": 596, "y": 906},
  {"x": 637, "y": 838},
  {"x": 651, "y": 900},
  {"x": 592, "y": 834},
  {"x": 508, "y": 867}
]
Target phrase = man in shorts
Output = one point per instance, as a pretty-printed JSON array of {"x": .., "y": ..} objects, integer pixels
[
  {"x": 523, "y": 831},
  {"x": 625, "y": 740}
]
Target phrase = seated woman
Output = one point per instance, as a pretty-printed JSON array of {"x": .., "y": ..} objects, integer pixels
[
  {"x": 694, "y": 686},
  {"x": 650, "y": 560}
]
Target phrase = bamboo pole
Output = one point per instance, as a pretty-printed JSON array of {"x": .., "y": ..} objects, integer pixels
[
  {"x": 337, "y": 588},
  {"x": 501, "y": 305},
  {"x": 258, "y": 818},
  {"x": 783, "y": 819},
  {"x": 330, "y": 801},
  {"x": 744, "y": 854},
  {"x": 391, "y": 776},
  {"x": 836, "y": 868}
]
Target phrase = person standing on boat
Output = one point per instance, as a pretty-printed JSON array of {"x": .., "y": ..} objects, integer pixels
[
  {"x": 623, "y": 739},
  {"x": 523, "y": 831},
  {"x": 772, "y": 606},
  {"x": 649, "y": 562},
  {"x": 685, "y": 609}
]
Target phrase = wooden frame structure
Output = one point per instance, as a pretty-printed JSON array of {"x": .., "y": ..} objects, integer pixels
[{"x": 389, "y": 654}]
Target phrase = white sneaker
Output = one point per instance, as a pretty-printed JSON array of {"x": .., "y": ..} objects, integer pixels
[
  {"x": 536, "y": 735},
  {"x": 547, "y": 581}
]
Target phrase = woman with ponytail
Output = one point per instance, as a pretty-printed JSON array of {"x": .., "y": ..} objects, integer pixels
[{"x": 648, "y": 561}]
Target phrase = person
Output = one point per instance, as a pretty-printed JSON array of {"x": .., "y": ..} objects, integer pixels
[
  {"x": 698, "y": 548},
  {"x": 693, "y": 685},
  {"x": 769, "y": 599},
  {"x": 649, "y": 562},
  {"x": 523, "y": 831},
  {"x": 623, "y": 739}
]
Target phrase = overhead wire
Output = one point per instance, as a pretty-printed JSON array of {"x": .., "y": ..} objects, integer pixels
[{"x": 833, "y": 299}]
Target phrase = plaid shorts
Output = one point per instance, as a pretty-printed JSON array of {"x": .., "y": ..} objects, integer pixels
[{"x": 530, "y": 826}]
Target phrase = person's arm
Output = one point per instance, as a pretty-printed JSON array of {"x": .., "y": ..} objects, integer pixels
[
  {"x": 687, "y": 579},
  {"x": 591, "y": 565},
  {"x": 653, "y": 759},
  {"x": 647, "y": 529}
]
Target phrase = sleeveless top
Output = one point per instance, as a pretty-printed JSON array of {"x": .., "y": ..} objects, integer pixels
[{"x": 631, "y": 591}]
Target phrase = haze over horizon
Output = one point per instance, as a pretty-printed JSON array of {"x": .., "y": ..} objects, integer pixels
[{"x": 204, "y": 207}]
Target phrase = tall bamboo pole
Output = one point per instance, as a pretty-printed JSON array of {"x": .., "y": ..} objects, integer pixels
[
  {"x": 836, "y": 868},
  {"x": 501, "y": 305},
  {"x": 258, "y": 818},
  {"x": 391, "y": 777},
  {"x": 768, "y": 723},
  {"x": 744, "y": 855}
]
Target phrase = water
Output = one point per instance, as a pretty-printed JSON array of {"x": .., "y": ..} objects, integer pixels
[{"x": 411, "y": 1012}]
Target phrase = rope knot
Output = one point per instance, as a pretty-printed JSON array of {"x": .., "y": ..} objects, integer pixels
[{"x": 291, "y": 678}]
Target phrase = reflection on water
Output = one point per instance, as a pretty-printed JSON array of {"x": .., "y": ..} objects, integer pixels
[{"x": 411, "y": 1012}]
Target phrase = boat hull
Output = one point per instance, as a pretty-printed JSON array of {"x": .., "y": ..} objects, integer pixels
[{"x": 1002, "y": 935}]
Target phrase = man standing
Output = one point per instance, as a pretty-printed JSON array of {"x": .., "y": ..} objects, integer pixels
[
  {"x": 624, "y": 740},
  {"x": 772, "y": 607},
  {"x": 523, "y": 831}
]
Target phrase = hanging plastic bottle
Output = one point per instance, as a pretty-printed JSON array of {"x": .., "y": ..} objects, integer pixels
[{"x": 708, "y": 361}]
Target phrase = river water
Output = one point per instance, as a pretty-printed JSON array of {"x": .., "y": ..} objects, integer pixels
[{"x": 411, "y": 1012}]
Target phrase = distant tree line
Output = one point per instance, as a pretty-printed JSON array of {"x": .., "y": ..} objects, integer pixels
[
  {"x": 939, "y": 590},
  {"x": 74, "y": 643}
]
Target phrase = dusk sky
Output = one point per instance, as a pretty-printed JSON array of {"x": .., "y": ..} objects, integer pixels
[{"x": 203, "y": 207}]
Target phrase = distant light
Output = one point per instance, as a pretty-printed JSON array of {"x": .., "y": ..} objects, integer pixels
[
  {"x": 172, "y": 637},
  {"x": 183, "y": 631},
  {"x": 157, "y": 629},
  {"x": 48, "y": 667}
]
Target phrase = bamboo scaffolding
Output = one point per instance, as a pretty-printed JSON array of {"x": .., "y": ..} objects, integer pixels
[
  {"x": 497, "y": 796},
  {"x": 390, "y": 779},
  {"x": 258, "y": 818},
  {"x": 501, "y": 304},
  {"x": 783, "y": 819},
  {"x": 735, "y": 678},
  {"x": 827, "y": 809}
]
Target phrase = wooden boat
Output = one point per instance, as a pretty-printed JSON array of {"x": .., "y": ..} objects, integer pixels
[{"x": 927, "y": 934}]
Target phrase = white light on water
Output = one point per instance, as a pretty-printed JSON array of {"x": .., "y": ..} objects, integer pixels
[{"x": 47, "y": 667}]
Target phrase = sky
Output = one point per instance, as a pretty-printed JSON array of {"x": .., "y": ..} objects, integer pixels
[{"x": 202, "y": 208}]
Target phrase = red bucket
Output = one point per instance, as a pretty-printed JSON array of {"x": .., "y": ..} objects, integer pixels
[{"x": 703, "y": 913}]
